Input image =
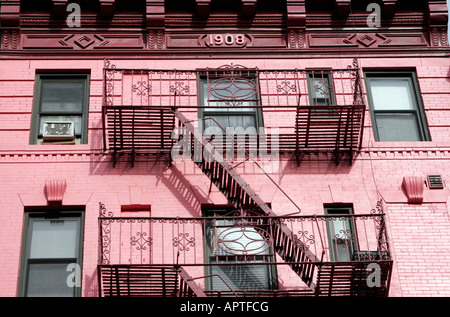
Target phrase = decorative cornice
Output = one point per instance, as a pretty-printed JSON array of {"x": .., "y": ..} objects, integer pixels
[
  {"x": 389, "y": 8},
  {"x": 296, "y": 13},
  {"x": 437, "y": 13},
  {"x": 107, "y": 7},
  {"x": 28, "y": 21},
  {"x": 257, "y": 21},
  {"x": 155, "y": 13},
  {"x": 203, "y": 8},
  {"x": 310, "y": 21},
  {"x": 10, "y": 14},
  {"x": 248, "y": 8},
  {"x": 59, "y": 7},
  {"x": 361, "y": 21},
  {"x": 342, "y": 8}
]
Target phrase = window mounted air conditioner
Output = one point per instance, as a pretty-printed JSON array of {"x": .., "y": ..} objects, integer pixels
[{"x": 58, "y": 131}]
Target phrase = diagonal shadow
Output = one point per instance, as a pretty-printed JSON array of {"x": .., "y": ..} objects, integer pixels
[{"x": 190, "y": 196}]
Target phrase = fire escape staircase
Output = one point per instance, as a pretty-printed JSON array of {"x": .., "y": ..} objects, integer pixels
[
  {"x": 322, "y": 278},
  {"x": 129, "y": 129},
  {"x": 241, "y": 196}
]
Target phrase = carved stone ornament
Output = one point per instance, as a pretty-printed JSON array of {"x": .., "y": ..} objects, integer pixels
[
  {"x": 55, "y": 189},
  {"x": 414, "y": 189}
]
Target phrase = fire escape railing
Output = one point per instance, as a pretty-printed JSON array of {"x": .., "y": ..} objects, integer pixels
[
  {"x": 145, "y": 240},
  {"x": 321, "y": 110},
  {"x": 180, "y": 244}
]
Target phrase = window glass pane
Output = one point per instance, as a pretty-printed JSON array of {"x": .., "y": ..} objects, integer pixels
[
  {"x": 341, "y": 233},
  {"x": 76, "y": 119},
  {"x": 228, "y": 101},
  {"x": 231, "y": 246},
  {"x": 340, "y": 226},
  {"x": 398, "y": 127},
  {"x": 64, "y": 96},
  {"x": 53, "y": 239},
  {"x": 239, "y": 240},
  {"x": 321, "y": 90},
  {"x": 391, "y": 94},
  {"x": 240, "y": 277},
  {"x": 246, "y": 122},
  {"x": 49, "y": 280},
  {"x": 234, "y": 95}
]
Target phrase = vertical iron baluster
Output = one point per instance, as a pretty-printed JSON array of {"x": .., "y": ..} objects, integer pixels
[
  {"x": 324, "y": 87},
  {"x": 160, "y": 88},
  {"x": 129, "y": 238},
  {"x": 344, "y": 93},
  {"x": 313, "y": 88},
  {"x": 132, "y": 81},
  {"x": 367, "y": 238}
]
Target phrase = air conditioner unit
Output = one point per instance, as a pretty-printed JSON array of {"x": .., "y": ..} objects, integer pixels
[{"x": 58, "y": 131}]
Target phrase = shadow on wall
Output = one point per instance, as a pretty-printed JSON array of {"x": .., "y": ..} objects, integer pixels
[
  {"x": 190, "y": 196},
  {"x": 101, "y": 161},
  {"x": 317, "y": 163},
  {"x": 91, "y": 285}
]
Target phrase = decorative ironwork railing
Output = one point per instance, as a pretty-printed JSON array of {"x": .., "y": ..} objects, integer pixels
[
  {"x": 232, "y": 86},
  {"x": 239, "y": 239}
]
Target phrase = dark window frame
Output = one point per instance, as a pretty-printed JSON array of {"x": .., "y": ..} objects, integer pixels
[
  {"x": 311, "y": 84},
  {"x": 48, "y": 213},
  {"x": 339, "y": 210},
  {"x": 37, "y": 103},
  {"x": 419, "y": 110}
]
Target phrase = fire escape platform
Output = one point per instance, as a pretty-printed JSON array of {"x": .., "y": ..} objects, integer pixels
[
  {"x": 325, "y": 108},
  {"x": 353, "y": 278},
  {"x": 333, "y": 279},
  {"x": 138, "y": 130},
  {"x": 139, "y": 280},
  {"x": 148, "y": 131},
  {"x": 150, "y": 256}
]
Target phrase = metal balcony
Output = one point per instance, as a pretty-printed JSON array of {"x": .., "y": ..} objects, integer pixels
[
  {"x": 299, "y": 111},
  {"x": 158, "y": 256}
]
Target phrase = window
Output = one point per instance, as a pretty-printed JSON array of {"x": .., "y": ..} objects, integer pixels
[
  {"x": 341, "y": 233},
  {"x": 60, "y": 101},
  {"x": 320, "y": 88},
  {"x": 238, "y": 240},
  {"x": 51, "y": 254},
  {"x": 396, "y": 108},
  {"x": 231, "y": 101}
]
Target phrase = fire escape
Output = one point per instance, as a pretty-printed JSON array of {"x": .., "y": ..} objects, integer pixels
[{"x": 153, "y": 115}]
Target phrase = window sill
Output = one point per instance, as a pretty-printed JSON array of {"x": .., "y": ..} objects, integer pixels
[
  {"x": 373, "y": 145},
  {"x": 52, "y": 148}
]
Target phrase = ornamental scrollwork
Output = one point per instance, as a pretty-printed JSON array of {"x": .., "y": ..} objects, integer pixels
[
  {"x": 142, "y": 88},
  {"x": 183, "y": 242},
  {"x": 140, "y": 241}
]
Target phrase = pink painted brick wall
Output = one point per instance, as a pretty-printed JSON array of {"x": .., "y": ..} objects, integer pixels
[{"x": 419, "y": 234}]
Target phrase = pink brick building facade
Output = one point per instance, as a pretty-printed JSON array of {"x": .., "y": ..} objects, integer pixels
[{"x": 406, "y": 222}]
